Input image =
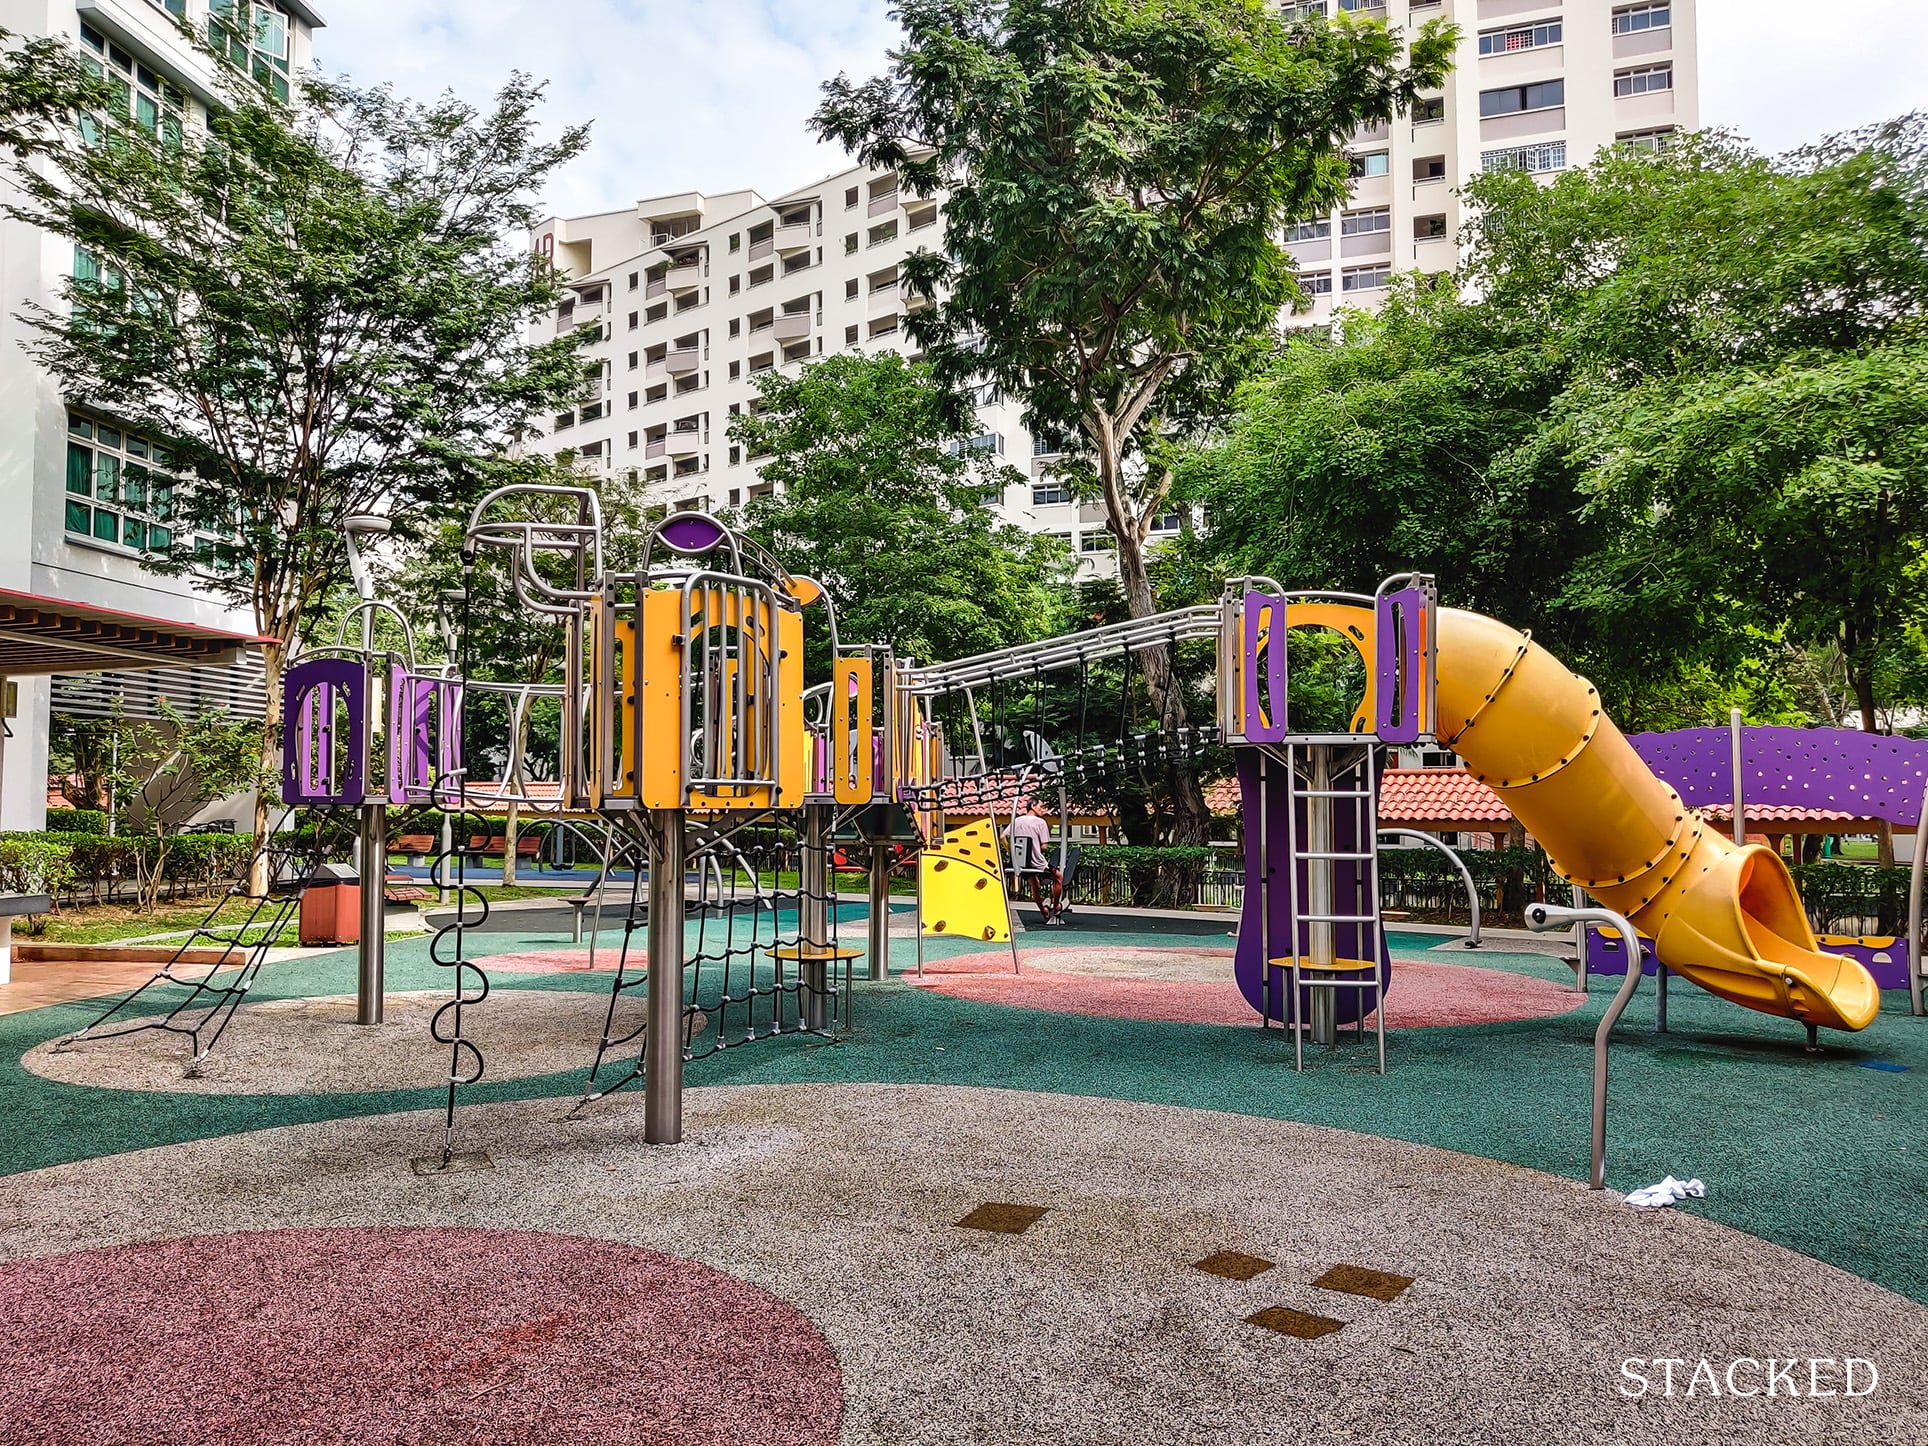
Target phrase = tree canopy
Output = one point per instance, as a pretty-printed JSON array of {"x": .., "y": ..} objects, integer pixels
[{"x": 878, "y": 495}]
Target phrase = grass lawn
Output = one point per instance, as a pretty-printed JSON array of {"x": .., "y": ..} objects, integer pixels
[{"x": 109, "y": 923}]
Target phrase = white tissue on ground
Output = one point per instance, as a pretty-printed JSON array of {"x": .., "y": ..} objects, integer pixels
[{"x": 1669, "y": 1190}]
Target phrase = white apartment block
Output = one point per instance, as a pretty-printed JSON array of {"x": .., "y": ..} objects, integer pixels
[
  {"x": 1537, "y": 86},
  {"x": 87, "y": 497},
  {"x": 689, "y": 298}
]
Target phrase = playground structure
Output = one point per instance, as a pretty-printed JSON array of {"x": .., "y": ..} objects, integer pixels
[{"x": 693, "y": 743}]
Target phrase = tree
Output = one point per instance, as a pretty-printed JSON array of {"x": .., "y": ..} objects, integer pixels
[
  {"x": 1119, "y": 174},
  {"x": 880, "y": 497},
  {"x": 317, "y": 311},
  {"x": 1745, "y": 409}
]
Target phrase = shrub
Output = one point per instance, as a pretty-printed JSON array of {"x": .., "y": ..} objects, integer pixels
[{"x": 76, "y": 820}]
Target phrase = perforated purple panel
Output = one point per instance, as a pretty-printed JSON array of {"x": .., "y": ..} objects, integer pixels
[
  {"x": 1265, "y": 720},
  {"x": 693, "y": 534},
  {"x": 425, "y": 737},
  {"x": 1402, "y": 665},
  {"x": 1863, "y": 774},
  {"x": 317, "y": 766}
]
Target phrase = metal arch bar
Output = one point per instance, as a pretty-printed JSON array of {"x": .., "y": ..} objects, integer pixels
[
  {"x": 1466, "y": 874},
  {"x": 1543, "y": 918},
  {"x": 1137, "y": 635},
  {"x": 1914, "y": 906}
]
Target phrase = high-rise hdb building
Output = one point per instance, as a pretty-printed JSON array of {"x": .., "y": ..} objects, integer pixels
[{"x": 691, "y": 297}]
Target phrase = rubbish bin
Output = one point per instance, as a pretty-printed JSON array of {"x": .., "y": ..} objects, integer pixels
[{"x": 331, "y": 906}]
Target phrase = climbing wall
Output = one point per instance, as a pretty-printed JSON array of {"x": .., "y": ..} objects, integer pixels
[{"x": 963, "y": 884}]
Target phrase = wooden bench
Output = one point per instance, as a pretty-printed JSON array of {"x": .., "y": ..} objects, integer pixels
[
  {"x": 401, "y": 889},
  {"x": 527, "y": 845},
  {"x": 415, "y": 847}
]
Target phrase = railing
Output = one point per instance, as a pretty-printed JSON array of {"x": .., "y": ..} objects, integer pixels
[{"x": 883, "y": 201}]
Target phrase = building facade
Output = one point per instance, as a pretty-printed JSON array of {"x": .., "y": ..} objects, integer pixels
[
  {"x": 689, "y": 298},
  {"x": 85, "y": 497},
  {"x": 1538, "y": 86}
]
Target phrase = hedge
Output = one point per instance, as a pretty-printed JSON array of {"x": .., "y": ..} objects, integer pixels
[
  {"x": 76, "y": 820},
  {"x": 1844, "y": 898},
  {"x": 100, "y": 868},
  {"x": 32, "y": 864}
]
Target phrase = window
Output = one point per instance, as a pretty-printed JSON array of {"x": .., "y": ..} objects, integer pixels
[
  {"x": 1294, "y": 9},
  {"x": 635, "y": 280},
  {"x": 1654, "y": 141},
  {"x": 1429, "y": 228},
  {"x": 150, "y": 100},
  {"x": 886, "y": 232},
  {"x": 1648, "y": 80},
  {"x": 632, "y": 361},
  {"x": 1102, "y": 541},
  {"x": 1538, "y": 159},
  {"x": 592, "y": 412},
  {"x": 1372, "y": 163},
  {"x": 1365, "y": 278},
  {"x": 850, "y": 198},
  {"x": 1043, "y": 447},
  {"x": 1365, "y": 223},
  {"x": 634, "y": 439},
  {"x": 736, "y": 284},
  {"x": 1309, "y": 231},
  {"x": 634, "y": 401},
  {"x": 762, "y": 275},
  {"x": 850, "y": 289},
  {"x": 634, "y": 321},
  {"x": 1520, "y": 37},
  {"x": 1429, "y": 109},
  {"x": 736, "y": 240},
  {"x": 1357, "y": 5},
  {"x": 1049, "y": 494},
  {"x": 657, "y": 312},
  {"x": 850, "y": 244},
  {"x": 850, "y": 336},
  {"x": 254, "y": 35},
  {"x": 1318, "y": 283},
  {"x": 736, "y": 460},
  {"x": 883, "y": 326},
  {"x": 116, "y": 491},
  {"x": 736, "y": 325},
  {"x": 1429, "y": 168},
  {"x": 1632, "y": 19},
  {"x": 565, "y": 419},
  {"x": 657, "y": 393},
  {"x": 736, "y": 370},
  {"x": 1511, "y": 99}
]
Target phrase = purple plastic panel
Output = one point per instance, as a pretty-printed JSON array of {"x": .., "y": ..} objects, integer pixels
[
  {"x": 1609, "y": 956},
  {"x": 1403, "y": 665},
  {"x": 692, "y": 534},
  {"x": 1864, "y": 774},
  {"x": 1886, "y": 959},
  {"x": 1266, "y": 989},
  {"x": 1267, "y": 613},
  {"x": 424, "y": 737},
  {"x": 310, "y": 749}
]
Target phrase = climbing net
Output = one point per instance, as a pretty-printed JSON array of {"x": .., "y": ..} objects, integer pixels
[
  {"x": 762, "y": 957},
  {"x": 214, "y": 991}
]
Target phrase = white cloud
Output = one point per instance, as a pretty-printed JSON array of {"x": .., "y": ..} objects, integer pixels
[
  {"x": 1785, "y": 72},
  {"x": 684, "y": 94}
]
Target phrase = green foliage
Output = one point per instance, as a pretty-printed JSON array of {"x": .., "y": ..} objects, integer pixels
[
  {"x": 880, "y": 499},
  {"x": 1424, "y": 880},
  {"x": 76, "y": 820},
  {"x": 1158, "y": 877},
  {"x": 1680, "y": 434},
  {"x": 1842, "y": 897},
  {"x": 35, "y": 864}
]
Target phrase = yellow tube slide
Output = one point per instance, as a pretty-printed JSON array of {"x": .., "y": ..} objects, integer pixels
[{"x": 1726, "y": 917}]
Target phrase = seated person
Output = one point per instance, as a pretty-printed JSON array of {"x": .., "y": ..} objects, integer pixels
[{"x": 1030, "y": 839}]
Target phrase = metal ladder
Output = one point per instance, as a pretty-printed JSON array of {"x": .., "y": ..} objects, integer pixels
[{"x": 1332, "y": 775}]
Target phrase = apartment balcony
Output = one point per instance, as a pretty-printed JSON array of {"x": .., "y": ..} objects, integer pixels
[
  {"x": 914, "y": 302},
  {"x": 686, "y": 277},
  {"x": 1548, "y": 122},
  {"x": 1522, "y": 65},
  {"x": 1434, "y": 253},
  {"x": 793, "y": 327},
  {"x": 594, "y": 391},
  {"x": 1507, "y": 9},
  {"x": 1637, "y": 112},
  {"x": 1371, "y": 243},
  {"x": 760, "y": 249},
  {"x": 885, "y": 299},
  {"x": 1643, "y": 42},
  {"x": 685, "y": 443},
  {"x": 926, "y": 216},
  {"x": 1302, "y": 252},
  {"x": 656, "y": 371},
  {"x": 1371, "y": 191},
  {"x": 656, "y": 447},
  {"x": 794, "y": 238},
  {"x": 683, "y": 362},
  {"x": 883, "y": 202}
]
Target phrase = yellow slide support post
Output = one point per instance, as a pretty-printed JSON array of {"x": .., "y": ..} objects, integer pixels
[{"x": 1724, "y": 916}]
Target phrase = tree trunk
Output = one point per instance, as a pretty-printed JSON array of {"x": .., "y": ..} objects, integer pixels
[
  {"x": 274, "y": 665},
  {"x": 1191, "y": 817},
  {"x": 1862, "y": 680},
  {"x": 508, "y": 849}
]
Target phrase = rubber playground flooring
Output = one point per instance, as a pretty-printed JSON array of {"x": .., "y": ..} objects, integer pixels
[{"x": 1820, "y": 1153}]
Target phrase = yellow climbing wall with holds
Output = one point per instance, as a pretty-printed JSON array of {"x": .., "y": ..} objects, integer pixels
[{"x": 963, "y": 885}]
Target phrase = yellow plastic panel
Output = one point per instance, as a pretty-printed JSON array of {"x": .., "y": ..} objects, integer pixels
[
  {"x": 659, "y": 690},
  {"x": 963, "y": 886},
  {"x": 852, "y": 707},
  {"x": 786, "y": 724}
]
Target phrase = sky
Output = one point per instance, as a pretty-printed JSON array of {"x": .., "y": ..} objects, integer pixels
[{"x": 713, "y": 95}]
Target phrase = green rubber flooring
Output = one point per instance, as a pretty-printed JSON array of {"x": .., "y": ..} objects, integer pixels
[{"x": 1824, "y": 1153}]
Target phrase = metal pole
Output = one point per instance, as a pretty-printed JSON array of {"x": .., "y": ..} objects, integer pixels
[
  {"x": 1320, "y": 895},
  {"x": 813, "y": 872},
  {"x": 1541, "y": 918},
  {"x": 663, "y": 1062},
  {"x": 1914, "y": 906},
  {"x": 879, "y": 919},
  {"x": 1740, "y": 817},
  {"x": 442, "y": 860},
  {"x": 1466, "y": 874},
  {"x": 371, "y": 954}
]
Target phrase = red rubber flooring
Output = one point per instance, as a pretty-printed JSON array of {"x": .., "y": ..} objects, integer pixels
[
  {"x": 1424, "y": 994},
  {"x": 396, "y": 1334}
]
